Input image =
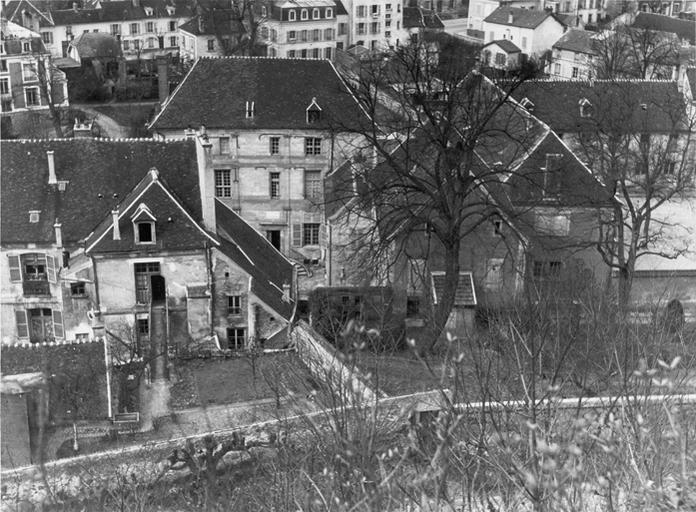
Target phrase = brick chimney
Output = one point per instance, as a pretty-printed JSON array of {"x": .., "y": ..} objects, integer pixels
[
  {"x": 117, "y": 231},
  {"x": 52, "y": 179}
]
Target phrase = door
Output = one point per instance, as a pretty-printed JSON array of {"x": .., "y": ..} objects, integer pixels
[
  {"x": 273, "y": 236},
  {"x": 159, "y": 289}
]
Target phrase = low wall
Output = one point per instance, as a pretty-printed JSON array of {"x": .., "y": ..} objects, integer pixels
[{"x": 326, "y": 364}]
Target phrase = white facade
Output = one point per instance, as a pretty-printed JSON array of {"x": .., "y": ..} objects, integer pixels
[
  {"x": 375, "y": 25},
  {"x": 532, "y": 41},
  {"x": 570, "y": 65}
]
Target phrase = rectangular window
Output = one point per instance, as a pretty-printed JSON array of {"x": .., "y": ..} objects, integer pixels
[
  {"x": 223, "y": 183},
  {"x": 150, "y": 27},
  {"x": 412, "y": 307},
  {"x": 4, "y": 86},
  {"x": 575, "y": 72},
  {"x": 500, "y": 59},
  {"x": 234, "y": 304},
  {"x": 236, "y": 338},
  {"x": 362, "y": 11},
  {"x": 6, "y": 105},
  {"x": 29, "y": 72},
  {"x": 274, "y": 143},
  {"x": 77, "y": 289},
  {"x": 172, "y": 26},
  {"x": 126, "y": 45},
  {"x": 312, "y": 146},
  {"x": 310, "y": 234},
  {"x": 224, "y": 145},
  {"x": 115, "y": 29},
  {"x": 557, "y": 69},
  {"x": 303, "y": 54},
  {"x": 274, "y": 185},
  {"x": 3, "y": 65},
  {"x": 315, "y": 53},
  {"x": 361, "y": 29},
  {"x": 136, "y": 45},
  {"x": 374, "y": 10},
  {"x": 211, "y": 45},
  {"x": 134, "y": 29},
  {"x": 143, "y": 273},
  {"x": 316, "y": 35},
  {"x": 547, "y": 270},
  {"x": 143, "y": 327},
  {"x": 292, "y": 35},
  {"x": 327, "y": 53},
  {"x": 47, "y": 37},
  {"x": 145, "y": 234},
  {"x": 250, "y": 109},
  {"x": 33, "y": 99},
  {"x": 303, "y": 35},
  {"x": 312, "y": 184},
  {"x": 342, "y": 29},
  {"x": 172, "y": 41}
]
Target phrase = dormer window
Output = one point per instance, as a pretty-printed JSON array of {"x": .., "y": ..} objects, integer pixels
[
  {"x": 586, "y": 109},
  {"x": 304, "y": 14},
  {"x": 148, "y": 11},
  {"x": 527, "y": 104},
  {"x": 315, "y": 14},
  {"x": 34, "y": 216},
  {"x": 170, "y": 10},
  {"x": 292, "y": 15},
  {"x": 313, "y": 112},
  {"x": 329, "y": 13},
  {"x": 250, "y": 110},
  {"x": 264, "y": 12},
  {"x": 144, "y": 225}
]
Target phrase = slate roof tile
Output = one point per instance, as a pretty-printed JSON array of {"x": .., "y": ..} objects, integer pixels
[
  {"x": 523, "y": 18},
  {"x": 575, "y": 40},
  {"x": 506, "y": 45},
  {"x": 100, "y": 174},
  {"x": 685, "y": 29},
  {"x": 215, "y": 93}
]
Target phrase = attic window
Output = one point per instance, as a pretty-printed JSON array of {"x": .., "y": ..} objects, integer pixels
[
  {"x": 148, "y": 11},
  {"x": 170, "y": 10},
  {"x": 527, "y": 104},
  {"x": 313, "y": 112},
  {"x": 143, "y": 225},
  {"x": 250, "y": 109},
  {"x": 644, "y": 106},
  {"x": 586, "y": 108},
  {"x": 34, "y": 216},
  {"x": 304, "y": 14}
]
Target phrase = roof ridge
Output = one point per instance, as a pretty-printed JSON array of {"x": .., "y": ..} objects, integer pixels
[
  {"x": 257, "y": 57},
  {"x": 99, "y": 139},
  {"x": 603, "y": 80},
  {"x": 34, "y": 346}
]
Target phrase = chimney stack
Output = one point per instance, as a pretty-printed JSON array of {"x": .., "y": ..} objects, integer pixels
[
  {"x": 59, "y": 233},
  {"x": 511, "y": 17},
  {"x": 286, "y": 292},
  {"x": 117, "y": 231},
  {"x": 52, "y": 179}
]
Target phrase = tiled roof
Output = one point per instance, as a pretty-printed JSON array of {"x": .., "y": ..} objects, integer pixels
[
  {"x": 575, "y": 40},
  {"x": 100, "y": 174},
  {"x": 618, "y": 105},
  {"x": 415, "y": 17},
  {"x": 506, "y": 45},
  {"x": 255, "y": 255},
  {"x": 174, "y": 228},
  {"x": 215, "y": 22},
  {"x": 216, "y": 91},
  {"x": 465, "y": 294},
  {"x": 685, "y": 29},
  {"x": 97, "y": 44},
  {"x": 15, "y": 46},
  {"x": 523, "y": 18},
  {"x": 120, "y": 11}
]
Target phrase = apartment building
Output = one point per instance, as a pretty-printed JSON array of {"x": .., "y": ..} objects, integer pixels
[
  {"x": 304, "y": 28},
  {"x": 375, "y": 25}
]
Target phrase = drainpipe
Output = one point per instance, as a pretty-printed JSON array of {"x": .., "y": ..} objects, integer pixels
[{"x": 211, "y": 284}]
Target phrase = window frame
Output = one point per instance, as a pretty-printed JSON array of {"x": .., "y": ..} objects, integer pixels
[
  {"x": 134, "y": 29},
  {"x": 312, "y": 184},
  {"x": 274, "y": 185},
  {"x": 78, "y": 289},
  {"x": 313, "y": 146},
  {"x": 292, "y": 15},
  {"x": 222, "y": 181},
  {"x": 310, "y": 233},
  {"x": 138, "y": 234},
  {"x": 234, "y": 304},
  {"x": 26, "y": 96},
  {"x": 304, "y": 15},
  {"x": 274, "y": 145}
]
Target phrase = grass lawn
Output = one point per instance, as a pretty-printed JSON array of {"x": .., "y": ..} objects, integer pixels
[{"x": 201, "y": 382}]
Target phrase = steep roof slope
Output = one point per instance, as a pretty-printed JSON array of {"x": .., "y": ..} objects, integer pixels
[
  {"x": 99, "y": 173},
  {"x": 216, "y": 93},
  {"x": 575, "y": 40},
  {"x": 268, "y": 268},
  {"x": 518, "y": 17},
  {"x": 634, "y": 106},
  {"x": 685, "y": 29}
]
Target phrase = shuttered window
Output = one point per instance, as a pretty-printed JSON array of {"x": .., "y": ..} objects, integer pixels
[
  {"x": 15, "y": 269},
  {"x": 58, "y": 324},
  {"x": 22, "y": 324}
]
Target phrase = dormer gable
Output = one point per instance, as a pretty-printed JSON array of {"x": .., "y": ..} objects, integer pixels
[
  {"x": 144, "y": 223},
  {"x": 527, "y": 104},
  {"x": 586, "y": 108},
  {"x": 149, "y": 11},
  {"x": 313, "y": 112}
]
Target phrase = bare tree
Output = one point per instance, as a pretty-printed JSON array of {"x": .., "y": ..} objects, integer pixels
[
  {"x": 630, "y": 52},
  {"x": 439, "y": 135},
  {"x": 236, "y": 28},
  {"x": 640, "y": 146}
]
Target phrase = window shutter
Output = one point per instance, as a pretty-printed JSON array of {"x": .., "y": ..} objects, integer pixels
[
  {"x": 58, "y": 324},
  {"x": 51, "y": 268},
  {"x": 22, "y": 324},
  {"x": 297, "y": 235},
  {"x": 15, "y": 269}
]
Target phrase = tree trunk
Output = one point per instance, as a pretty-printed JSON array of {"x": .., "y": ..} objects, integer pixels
[{"x": 445, "y": 302}]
